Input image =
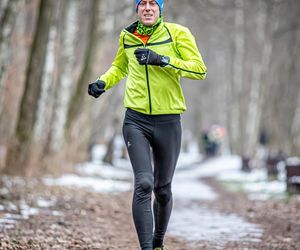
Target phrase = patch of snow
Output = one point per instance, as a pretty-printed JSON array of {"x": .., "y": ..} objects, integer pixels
[
  {"x": 8, "y": 220},
  {"x": 119, "y": 145},
  {"x": 262, "y": 196},
  {"x": 186, "y": 159},
  {"x": 237, "y": 175},
  {"x": 95, "y": 184},
  {"x": 98, "y": 152},
  {"x": 256, "y": 182},
  {"x": 281, "y": 171},
  {"x": 26, "y": 211},
  {"x": 187, "y": 186},
  {"x": 293, "y": 161},
  {"x": 196, "y": 224},
  {"x": 122, "y": 164},
  {"x": 12, "y": 207},
  {"x": 213, "y": 167},
  {"x": 294, "y": 179},
  {"x": 272, "y": 187},
  {"x": 12, "y": 217},
  {"x": 7, "y": 223},
  {"x": 57, "y": 213},
  {"x": 104, "y": 171},
  {"x": 192, "y": 190},
  {"x": 41, "y": 202}
]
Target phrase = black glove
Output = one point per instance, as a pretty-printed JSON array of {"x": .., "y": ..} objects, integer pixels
[
  {"x": 149, "y": 57},
  {"x": 96, "y": 88}
]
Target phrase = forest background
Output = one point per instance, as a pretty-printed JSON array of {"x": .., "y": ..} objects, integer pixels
[{"x": 50, "y": 51}]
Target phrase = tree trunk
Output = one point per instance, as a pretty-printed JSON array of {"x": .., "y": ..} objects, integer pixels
[
  {"x": 7, "y": 20},
  {"x": 77, "y": 99},
  {"x": 259, "y": 85},
  {"x": 110, "y": 146},
  {"x": 237, "y": 81},
  {"x": 43, "y": 116},
  {"x": 295, "y": 74},
  {"x": 64, "y": 90},
  {"x": 295, "y": 129},
  {"x": 19, "y": 151}
]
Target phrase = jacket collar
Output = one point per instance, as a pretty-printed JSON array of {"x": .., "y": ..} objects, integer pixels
[{"x": 132, "y": 27}]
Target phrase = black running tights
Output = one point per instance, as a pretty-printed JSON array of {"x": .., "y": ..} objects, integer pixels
[{"x": 152, "y": 139}]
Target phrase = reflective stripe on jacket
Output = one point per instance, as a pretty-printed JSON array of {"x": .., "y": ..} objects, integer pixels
[{"x": 153, "y": 89}]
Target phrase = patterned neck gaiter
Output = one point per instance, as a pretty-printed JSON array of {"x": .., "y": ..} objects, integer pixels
[{"x": 147, "y": 30}]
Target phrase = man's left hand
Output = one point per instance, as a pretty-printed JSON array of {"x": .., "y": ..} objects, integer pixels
[{"x": 148, "y": 57}]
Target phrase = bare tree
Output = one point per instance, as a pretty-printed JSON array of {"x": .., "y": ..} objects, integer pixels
[
  {"x": 237, "y": 81},
  {"x": 7, "y": 20},
  {"x": 64, "y": 90},
  {"x": 259, "y": 81},
  {"x": 251, "y": 49},
  {"x": 19, "y": 151},
  {"x": 76, "y": 103}
]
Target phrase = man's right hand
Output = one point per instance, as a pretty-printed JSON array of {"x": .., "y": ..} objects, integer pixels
[{"x": 96, "y": 88}]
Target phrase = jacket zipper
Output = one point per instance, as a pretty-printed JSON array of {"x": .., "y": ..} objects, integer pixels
[
  {"x": 147, "y": 79},
  {"x": 148, "y": 84},
  {"x": 148, "y": 87}
]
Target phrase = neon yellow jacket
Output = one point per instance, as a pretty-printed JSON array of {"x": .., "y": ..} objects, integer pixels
[{"x": 154, "y": 89}]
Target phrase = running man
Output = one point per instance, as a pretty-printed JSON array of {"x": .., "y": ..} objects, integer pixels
[{"x": 153, "y": 55}]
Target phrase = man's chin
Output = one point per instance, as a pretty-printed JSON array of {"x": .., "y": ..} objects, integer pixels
[{"x": 148, "y": 22}]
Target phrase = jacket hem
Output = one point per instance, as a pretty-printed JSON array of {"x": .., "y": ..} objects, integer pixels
[{"x": 158, "y": 112}]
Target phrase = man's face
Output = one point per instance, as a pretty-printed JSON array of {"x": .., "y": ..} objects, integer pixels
[{"x": 148, "y": 12}]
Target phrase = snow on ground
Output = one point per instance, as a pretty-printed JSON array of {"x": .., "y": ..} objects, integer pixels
[
  {"x": 195, "y": 224},
  {"x": 191, "y": 189},
  {"x": 256, "y": 183},
  {"x": 101, "y": 177},
  {"x": 187, "y": 184},
  {"x": 190, "y": 169},
  {"x": 22, "y": 212},
  {"x": 228, "y": 170},
  {"x": 96, "y": 175},
  {"x": 187, "y": 220},
  {"x": 213, "y": 167},
  {"x": 95, "y": 184},
  {"x": 104, "y": 171}
]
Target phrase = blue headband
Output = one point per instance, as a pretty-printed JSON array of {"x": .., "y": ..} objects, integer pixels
[{"x": 160, "y": 3}]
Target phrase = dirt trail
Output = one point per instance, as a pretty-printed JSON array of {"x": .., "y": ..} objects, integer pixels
[{"x": 80, "y": 219}]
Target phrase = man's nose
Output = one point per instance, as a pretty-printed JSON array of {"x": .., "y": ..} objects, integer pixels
[{"x": 147, "y": 7}]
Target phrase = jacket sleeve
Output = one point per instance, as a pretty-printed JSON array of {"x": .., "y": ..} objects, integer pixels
[
  {"x": 118, "y": 69},
  {"x": 190, "y": 64}
]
